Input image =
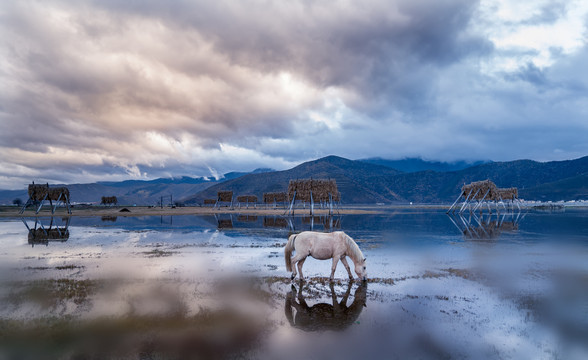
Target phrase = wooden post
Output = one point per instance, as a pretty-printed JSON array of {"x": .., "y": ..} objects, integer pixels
[
  {"x": 291, "y": 209},
  {"x": 330, "y": 204},
  {"x": 465, "y": 202},
  {"x": 56, "y": 202},
  {"x": 42, "y": 201},
  {"x": 455, "y": 202}
]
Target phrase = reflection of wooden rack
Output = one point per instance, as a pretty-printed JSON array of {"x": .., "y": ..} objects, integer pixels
[
  {"x": 275, "y": 222},
  {"x": 486, "y": 227},
  {"x": 328, "y": 222},
  {"x": 40, "y": 234},
  {"x": 224, "y": 223},
  {"x": 247, "y": 218}
]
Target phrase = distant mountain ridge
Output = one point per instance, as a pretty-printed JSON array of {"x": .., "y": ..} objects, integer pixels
[
  {"x": 128, "y": 192},
  {"x": 417, "y": 164},
  {"x": 360, "y": 182}
]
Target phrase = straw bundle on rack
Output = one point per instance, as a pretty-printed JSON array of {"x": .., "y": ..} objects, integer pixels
[
  {"x": 247, "y": 198},
  {"x": 109, "y": 200},
  {"x": 225, "y": 196},
  {"x": 508, "y": 193},
  {"x": 478, "y": 189},
  {"x": 271, "y": 197},
  {"x": 39, "y": 192},
  {"x": 320, "y": 189},
  {"x": 209, "y": 201}
]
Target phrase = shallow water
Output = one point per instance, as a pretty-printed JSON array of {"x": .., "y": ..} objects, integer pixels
[{"x": 508, "y": 286}]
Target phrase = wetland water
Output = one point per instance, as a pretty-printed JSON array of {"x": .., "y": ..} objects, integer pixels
[{"x": 216, "y": 287}]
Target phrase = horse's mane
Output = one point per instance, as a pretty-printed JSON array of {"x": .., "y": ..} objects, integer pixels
[{"x": 354, "y": 253}]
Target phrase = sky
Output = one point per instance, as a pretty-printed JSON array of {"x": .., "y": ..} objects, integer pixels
[{"x": 111, "y": 90}]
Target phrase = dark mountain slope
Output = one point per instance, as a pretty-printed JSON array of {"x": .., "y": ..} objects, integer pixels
[{"x": 358, "y": 182}]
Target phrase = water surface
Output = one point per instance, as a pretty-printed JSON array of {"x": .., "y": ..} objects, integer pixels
[{"x": 508, "y": 286}]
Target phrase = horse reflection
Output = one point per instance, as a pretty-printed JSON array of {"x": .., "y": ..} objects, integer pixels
[{"x": 323, "y": 316}]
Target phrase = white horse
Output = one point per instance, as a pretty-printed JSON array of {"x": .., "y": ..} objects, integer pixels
[{"x": 322, "y": 246}]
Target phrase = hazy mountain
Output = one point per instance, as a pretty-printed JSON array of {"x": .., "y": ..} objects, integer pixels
[{"x": 417, "y": 164}]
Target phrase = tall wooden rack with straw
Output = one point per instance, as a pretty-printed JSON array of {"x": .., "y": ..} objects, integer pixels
[
  {"x": 38, "y": 194},
  {"x": 321, "y": 191}
]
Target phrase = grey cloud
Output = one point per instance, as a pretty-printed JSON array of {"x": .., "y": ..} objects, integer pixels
[{"x": 100, "y": 77}]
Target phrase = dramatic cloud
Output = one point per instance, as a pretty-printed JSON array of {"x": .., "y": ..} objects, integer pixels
[{"x": 107, "y": 90}]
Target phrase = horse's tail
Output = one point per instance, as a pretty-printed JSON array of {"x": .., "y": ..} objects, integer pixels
[{"x": 288, "y": 252}]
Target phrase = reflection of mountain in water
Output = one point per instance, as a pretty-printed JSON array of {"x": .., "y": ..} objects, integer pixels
[
  {"x": 486, "y": 227},
  {"x": 39, "y": 234},
  {"x": 323, "y": 316}
]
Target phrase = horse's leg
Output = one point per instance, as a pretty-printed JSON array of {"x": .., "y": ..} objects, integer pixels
[
  {"x": 334, "y": 266},
  {"x": 347, "y": 293},
  {"x": 300, "y": 263},
  {"x": 333, "y": 294},
  {"x": 344, "y": 261},
  {"x": 296, "y": 258}
]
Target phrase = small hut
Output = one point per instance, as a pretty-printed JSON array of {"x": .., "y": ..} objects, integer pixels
[{"x": 38, "y": 194}]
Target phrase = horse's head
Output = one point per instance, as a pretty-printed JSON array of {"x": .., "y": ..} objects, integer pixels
[{"x": 360, "y": 270}]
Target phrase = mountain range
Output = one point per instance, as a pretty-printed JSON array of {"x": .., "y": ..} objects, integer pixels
[
  {"x": 366, "y": 181},
  {"x": 362, "y": 182}
]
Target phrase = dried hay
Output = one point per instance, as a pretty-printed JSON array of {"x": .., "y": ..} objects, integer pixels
[
  {"x": 44, "y": 192},
  {"x": 275, "y": 222},
  {"x": 271, "y": 197},
  {"x": 320, "y": 190},
  {"x": 509, "y": 193},
  {"x": 225, "y": 196},
  {"x": 109, "y": 200},
  {"x": 247, "y": 198},
  {"x": 478, "y": 189}
]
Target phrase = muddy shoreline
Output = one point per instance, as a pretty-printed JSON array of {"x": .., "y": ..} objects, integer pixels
[{"x": 11, "y": 211}]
